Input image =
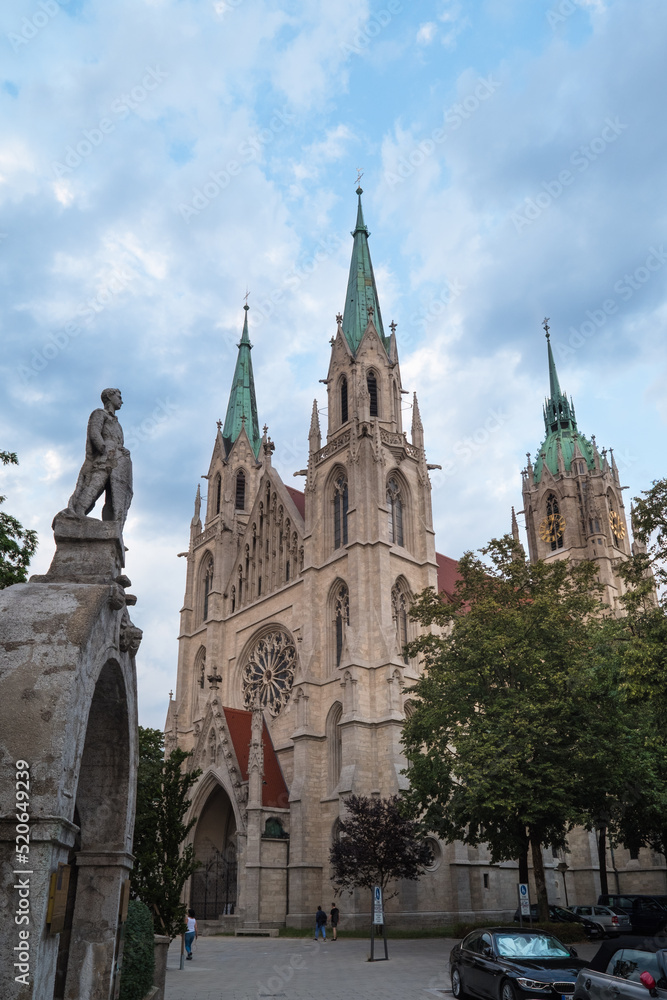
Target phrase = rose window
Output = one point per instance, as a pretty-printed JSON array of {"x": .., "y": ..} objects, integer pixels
[{"x": 270, "y": 670}]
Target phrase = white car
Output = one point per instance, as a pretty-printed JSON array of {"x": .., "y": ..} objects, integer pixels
[{"x": 613, "y": 921}]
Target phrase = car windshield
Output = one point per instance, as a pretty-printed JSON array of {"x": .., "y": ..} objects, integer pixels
[{"x": 530, "y": 946}]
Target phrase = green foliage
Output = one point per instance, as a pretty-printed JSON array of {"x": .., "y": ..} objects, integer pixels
[
  {"x": 138, "y": 953},
  {"x": 161, "y": 868},
  {"x": 378, "y": 844},
  {"x": 517, "y": 707},
  {"x": 17, "y": 544}
]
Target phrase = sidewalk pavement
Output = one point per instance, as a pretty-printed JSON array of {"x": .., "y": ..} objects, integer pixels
[{"x": 228, "y": 968}]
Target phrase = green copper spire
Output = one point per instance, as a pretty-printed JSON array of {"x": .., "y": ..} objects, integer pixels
[
  {"x": 361, "y": 291},
  {"x": 560, "y": 425},
  {"x": 242, "y": 406}
]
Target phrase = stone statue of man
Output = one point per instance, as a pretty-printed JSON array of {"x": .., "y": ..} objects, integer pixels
[{"x": 107, "y": 466}]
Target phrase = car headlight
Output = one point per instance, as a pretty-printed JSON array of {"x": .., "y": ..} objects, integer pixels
[{"x": 533, "y": 984}]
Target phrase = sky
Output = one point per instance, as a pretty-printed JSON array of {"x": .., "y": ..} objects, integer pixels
[{"x": 159, "y": 158}]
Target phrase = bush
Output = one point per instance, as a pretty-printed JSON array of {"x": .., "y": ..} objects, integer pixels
[{"x": 138, "y": 954}]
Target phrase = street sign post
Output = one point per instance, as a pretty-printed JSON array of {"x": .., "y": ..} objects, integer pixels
[
  {"x": 524, "y": 903},
  {"x": 377, "y": 920}
]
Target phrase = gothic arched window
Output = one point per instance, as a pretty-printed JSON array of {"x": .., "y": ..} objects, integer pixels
[
  {"x": 400, "y": 604},
  {"x": 240, "y": 490},
  {"x": 343, "y": 399},
  {"x": 334, "y": 744},
  {"x": 394, "y": 512},
  {"x": 341, "y": 609},
  {"x": 556, "y": 523},
  {"x": 233, "y": 599},
  {"x": 217, "y": 490},
  {"x": 372, "y": 383},
  {"x": 340, "y": 511},
  {"x": 207, "y": 584}
]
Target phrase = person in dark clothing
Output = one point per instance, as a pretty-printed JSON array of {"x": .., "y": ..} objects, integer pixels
[
  {"x": 320, "y": 921},
  {"x": 335, "y": 917}
]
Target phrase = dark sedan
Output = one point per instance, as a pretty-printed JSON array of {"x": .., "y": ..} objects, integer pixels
[{"x": 506, "y": 963}]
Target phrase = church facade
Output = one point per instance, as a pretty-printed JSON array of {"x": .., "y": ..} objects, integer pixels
[{"x": 291, "y": 670}]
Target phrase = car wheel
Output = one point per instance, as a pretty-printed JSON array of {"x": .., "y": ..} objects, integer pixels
[
  {"x": 507, "y": 991},
  {"x": 457, "y": 984}
]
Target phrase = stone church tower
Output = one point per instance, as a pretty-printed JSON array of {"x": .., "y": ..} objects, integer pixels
[
  {"x": 291, "y": 650},
  {"x": 572, "y": 495}
]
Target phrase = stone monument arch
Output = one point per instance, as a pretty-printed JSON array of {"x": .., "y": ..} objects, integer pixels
[{"x": 68, "y": 716}]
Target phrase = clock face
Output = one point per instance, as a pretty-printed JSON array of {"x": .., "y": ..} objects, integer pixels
[
  {"x": 552, "y": 527},
  {"x": 616, "y": 525}
]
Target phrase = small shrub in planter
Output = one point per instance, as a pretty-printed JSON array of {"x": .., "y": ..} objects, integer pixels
[{"x": 136, "y": 977}]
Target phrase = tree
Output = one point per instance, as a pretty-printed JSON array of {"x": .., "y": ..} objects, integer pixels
[
  {"x": 17, "y": 544},
  {"x": 378, "y": 844},
  {"x": 516, "y": 709},
  {"x": 161, "y": 868}
]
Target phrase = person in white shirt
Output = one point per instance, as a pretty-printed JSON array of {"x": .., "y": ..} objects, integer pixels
[{"x": 190, "y": 932}]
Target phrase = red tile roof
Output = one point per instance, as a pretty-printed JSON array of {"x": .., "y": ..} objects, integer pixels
[
  {"x": 448, "y": 573},
  {"x": 299, "y": 499},
  {"x": 274, "y": 790}
]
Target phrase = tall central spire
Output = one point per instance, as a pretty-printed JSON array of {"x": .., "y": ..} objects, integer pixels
[
  {"x": 558, "y": 410},
  {"x": 361, "y": 291},
  {"x": 242, "y": 406}
]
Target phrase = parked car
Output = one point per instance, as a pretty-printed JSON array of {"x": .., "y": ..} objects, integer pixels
[
  {"x": 562, "y": 915},
  {"x": 506, "y": 963},
  {"x": 624, "y": 969},
  {"x": 614, "y": 921},
  {"x": 625, "y": 901}
]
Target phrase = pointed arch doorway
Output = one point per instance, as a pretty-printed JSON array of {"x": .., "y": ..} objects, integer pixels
[{"x": 214, "y": 886}]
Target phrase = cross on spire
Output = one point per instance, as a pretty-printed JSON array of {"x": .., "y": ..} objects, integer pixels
[
  {"x": 219, "y": 424},
  {"x": 545, "y": 325},
  {"x": 360, "y": 174},
  {"x": 247, "y": 293},
  {"x": 392, "y": 327}
]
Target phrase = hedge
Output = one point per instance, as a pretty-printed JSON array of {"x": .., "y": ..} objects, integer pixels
[{"x": 136, "y": 977}]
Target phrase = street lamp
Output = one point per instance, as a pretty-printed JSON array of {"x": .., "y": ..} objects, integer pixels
[{"x": 562, "y": 867}]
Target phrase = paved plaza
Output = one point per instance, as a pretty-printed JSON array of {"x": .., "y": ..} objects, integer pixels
[{"x": 227, "y": 968}]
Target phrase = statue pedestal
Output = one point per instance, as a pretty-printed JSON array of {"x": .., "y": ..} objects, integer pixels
[{"x": 87, "y": 551}]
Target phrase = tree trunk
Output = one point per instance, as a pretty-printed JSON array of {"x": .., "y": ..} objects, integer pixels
[
  {"x": 540, "y": 883},
  {"x": 602, "y": 858},
  {"x": 523, "y": 865}
]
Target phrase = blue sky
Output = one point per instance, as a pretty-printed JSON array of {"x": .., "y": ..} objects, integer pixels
[{"x": 158, "y": 157}]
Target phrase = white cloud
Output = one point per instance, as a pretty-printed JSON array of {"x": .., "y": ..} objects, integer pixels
[{"x": 426, "y": 33}]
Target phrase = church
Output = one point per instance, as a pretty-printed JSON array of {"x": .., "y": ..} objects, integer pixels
[{"x": 291, "y": 666}]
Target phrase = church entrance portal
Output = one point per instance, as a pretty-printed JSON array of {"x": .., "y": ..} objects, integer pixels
[{"x": 213, "y": 890}]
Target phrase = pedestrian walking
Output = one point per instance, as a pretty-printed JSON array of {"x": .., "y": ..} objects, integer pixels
[
  {"x": 191, "y": 933},
  {"x": 320, "y": 923},
  {"x": 335, "y": 917}
]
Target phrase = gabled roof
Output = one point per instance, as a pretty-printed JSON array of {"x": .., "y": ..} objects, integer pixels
[
  {"x": 274, "y": 789},
  {"x": 361, "y": 291},
  {"x": 448, "y": 574},
  {"x": 242, "y": 405},
  {"x": 299, "y": 499}
]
